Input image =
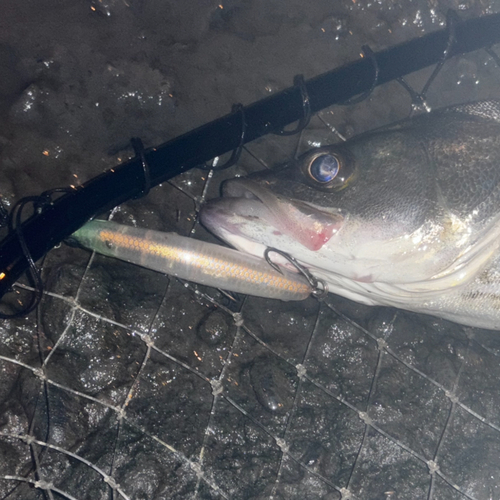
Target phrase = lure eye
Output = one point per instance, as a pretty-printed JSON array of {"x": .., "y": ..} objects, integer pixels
[
  {"x": 324, "y": 168},
  {"x": 329, "y": 168}
]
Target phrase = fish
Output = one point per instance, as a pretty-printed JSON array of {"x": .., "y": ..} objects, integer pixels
[
  {"x": 405, "y": 216},
  {"x": 190, "y": 259}
]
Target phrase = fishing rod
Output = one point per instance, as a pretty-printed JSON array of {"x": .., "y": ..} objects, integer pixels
[{"x": 54, "y": 220}]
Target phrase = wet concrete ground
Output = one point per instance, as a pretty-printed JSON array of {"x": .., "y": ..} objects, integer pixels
[{"x": 151, "y": 390}]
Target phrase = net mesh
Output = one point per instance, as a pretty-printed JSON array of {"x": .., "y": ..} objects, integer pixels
[
  {"x": 127, "y": 384},
  {"x": 139, "y": 386}
]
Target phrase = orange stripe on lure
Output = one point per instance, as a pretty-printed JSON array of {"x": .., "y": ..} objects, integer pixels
[{"x": 192, "y": 260}]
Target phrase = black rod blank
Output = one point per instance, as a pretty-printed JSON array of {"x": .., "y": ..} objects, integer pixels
[{"x": 65, "y": 215}]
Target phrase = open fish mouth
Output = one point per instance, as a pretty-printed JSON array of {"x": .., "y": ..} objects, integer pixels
[{"x": 249, "y": 210}]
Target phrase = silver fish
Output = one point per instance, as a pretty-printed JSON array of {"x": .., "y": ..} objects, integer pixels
[{"x": 407, "y": 215}]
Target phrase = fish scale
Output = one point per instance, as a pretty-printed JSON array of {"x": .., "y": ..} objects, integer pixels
[{"x": 413, "y": 212}]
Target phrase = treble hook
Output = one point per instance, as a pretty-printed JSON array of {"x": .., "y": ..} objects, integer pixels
[{"x": 319, "y": 287}]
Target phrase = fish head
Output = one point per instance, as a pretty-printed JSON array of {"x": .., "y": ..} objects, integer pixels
[{"x": 401, "y": 205}]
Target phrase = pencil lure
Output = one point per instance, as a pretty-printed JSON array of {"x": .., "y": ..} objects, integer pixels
[{"x": 192, "y": 260}]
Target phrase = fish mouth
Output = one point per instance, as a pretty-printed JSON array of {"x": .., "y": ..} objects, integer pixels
[{"x": 249, "y": 209}]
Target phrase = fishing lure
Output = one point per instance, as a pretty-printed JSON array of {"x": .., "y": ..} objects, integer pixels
[{"x": 192, "y": 260}]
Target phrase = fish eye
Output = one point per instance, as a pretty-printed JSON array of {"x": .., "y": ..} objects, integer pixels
[
  {"x": 328, "y": 171},
  {"x": 324, "y": 168}
]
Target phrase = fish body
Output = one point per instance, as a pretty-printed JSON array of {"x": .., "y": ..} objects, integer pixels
[{"x": 407, "y": 215}]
